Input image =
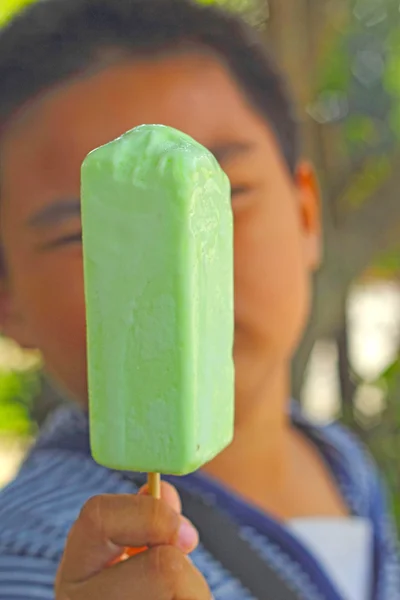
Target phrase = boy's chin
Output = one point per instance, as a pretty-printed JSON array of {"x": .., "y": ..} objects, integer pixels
[{"x": 67, "y": 391}]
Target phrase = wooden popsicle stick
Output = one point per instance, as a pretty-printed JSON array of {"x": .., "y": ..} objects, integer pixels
[
  {"x": 127, "y": 553},
  {"x": 154, "y": 481}
]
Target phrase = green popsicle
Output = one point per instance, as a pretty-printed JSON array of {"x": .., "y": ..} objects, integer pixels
[{"x": 158, "y": 266}]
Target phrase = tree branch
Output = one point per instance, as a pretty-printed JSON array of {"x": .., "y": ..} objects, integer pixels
[
  {"x": 369, "y": 231},
  {"x": 372, "y": 229}
]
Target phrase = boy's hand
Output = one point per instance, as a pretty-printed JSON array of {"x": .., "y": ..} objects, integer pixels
[{"x": 108, "y": 524}]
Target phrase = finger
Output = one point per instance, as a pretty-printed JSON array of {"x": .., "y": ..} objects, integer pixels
[
  {"x": 161, "y": 573},
  {"x": 109, "y": 523},
  {"x": 168, "y": 494}
]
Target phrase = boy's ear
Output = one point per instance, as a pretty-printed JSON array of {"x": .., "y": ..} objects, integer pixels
[
  {"x": 310, "y": 212},
  {"x": 12, "y": 324}
]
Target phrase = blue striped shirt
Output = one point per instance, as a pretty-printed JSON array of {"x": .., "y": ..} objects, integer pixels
[{"x": 38, "y": 508}]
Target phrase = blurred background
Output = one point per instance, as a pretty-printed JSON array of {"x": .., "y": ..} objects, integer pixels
[{"x": 342, "y": 60}]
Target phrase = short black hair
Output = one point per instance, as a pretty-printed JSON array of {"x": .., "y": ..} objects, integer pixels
[{"x": 54, "y": 39}]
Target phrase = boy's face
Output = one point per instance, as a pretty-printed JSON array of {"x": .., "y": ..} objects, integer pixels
[{"x": 276, "y": 218}]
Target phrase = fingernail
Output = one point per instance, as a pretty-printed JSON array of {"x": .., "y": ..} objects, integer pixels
[{"x": 188, "y": 537}]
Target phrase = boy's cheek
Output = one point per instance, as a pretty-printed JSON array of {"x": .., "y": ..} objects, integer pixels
[
  {"x": 12, "y": 322},
  {"x": 53, "y": 309},
  {"x": 271, "y": 282}
]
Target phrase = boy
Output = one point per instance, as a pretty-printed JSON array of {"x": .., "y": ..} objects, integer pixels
[{"x": 76, "y": 74}]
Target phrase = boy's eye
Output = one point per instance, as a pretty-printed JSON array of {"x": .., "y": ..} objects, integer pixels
[
  {"x": 65, "y": 240},
  {"x": 76, "y": 238},
  {"x": 238, "y": 190}
]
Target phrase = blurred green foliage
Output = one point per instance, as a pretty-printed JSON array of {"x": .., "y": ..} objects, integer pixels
[
  {"x": 9, "y": 7},
  {"x": 255, "y": 11},
  {"x": 382, "y": 435},
  {"x": 17, "y": 393}
]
